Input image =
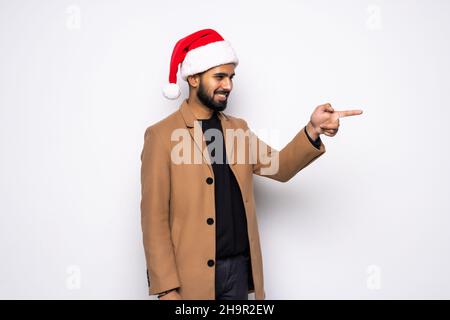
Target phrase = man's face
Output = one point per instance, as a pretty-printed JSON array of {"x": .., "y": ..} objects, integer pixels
[{"x": 215, "y": 86}]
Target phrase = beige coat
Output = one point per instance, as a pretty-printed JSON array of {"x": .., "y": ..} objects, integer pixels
[{"x": 177, "y": 201}]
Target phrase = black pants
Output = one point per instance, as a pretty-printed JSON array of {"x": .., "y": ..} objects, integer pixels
[{"x": 232, "y": 278}]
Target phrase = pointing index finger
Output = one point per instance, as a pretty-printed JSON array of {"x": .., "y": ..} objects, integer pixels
[{"x": 348, "y": 113}]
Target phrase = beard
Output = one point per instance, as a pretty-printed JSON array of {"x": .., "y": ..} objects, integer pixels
[{"x": 208, "y": 101}]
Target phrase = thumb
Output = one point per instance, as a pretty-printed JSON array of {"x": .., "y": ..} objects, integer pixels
[{"x": 327, "y": 107}]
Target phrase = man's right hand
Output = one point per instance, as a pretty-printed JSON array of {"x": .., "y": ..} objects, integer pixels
[{"x": 172, "y": 295}]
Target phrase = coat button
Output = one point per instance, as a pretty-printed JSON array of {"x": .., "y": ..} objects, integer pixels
[
  {"x": 209, "y": 180},
  {"x": 210, "y": 221},
  {"x": 210, "y": 263}
]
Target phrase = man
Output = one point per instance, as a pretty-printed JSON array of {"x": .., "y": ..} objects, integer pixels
[{"x": 200, "y": 232}]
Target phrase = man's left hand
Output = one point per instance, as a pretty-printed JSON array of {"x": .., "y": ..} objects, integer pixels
[{"x": 325, "y": 120}]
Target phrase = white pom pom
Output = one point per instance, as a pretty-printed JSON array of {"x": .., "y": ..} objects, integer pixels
[{"x": 171, "y": 91}]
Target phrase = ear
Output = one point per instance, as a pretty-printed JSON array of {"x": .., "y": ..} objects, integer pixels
[{"x": 194, "y": 80}]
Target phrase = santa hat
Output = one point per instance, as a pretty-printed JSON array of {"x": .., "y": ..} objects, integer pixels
[{"x": 197, "y": 52}]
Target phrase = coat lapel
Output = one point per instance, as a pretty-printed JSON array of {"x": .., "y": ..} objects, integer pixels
[
  {"x": 226, "y": 125},
  {"x": 192, "y": 122}
]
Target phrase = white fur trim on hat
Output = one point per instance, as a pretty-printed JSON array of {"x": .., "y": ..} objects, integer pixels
[
  {"x": 171, "y": 91},
  {"x": 206, "y": 57}
]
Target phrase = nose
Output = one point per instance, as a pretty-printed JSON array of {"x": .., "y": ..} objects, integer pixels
[{"x": 227, "y": 84}]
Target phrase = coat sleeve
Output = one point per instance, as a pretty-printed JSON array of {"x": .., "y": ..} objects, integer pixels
[
  {"x": 282, "y": 165},
  {"x": 155, "y": 198}
]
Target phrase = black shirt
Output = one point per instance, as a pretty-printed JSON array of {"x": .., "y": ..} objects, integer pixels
[
  {"x": 316, "y": 143},
  {"x": 231, "y": 221}
]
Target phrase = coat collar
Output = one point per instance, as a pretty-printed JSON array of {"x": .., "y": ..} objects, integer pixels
[{"x": 189, "y": 117}]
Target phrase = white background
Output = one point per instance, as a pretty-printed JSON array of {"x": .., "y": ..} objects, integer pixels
[{"x": 81, "y": 81}]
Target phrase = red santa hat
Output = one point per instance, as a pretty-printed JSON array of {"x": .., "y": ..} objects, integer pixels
[{"x": 197, "y": 52}]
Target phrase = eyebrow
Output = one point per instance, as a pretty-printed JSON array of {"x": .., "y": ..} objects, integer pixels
[{"x": 223, "y": 74}]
